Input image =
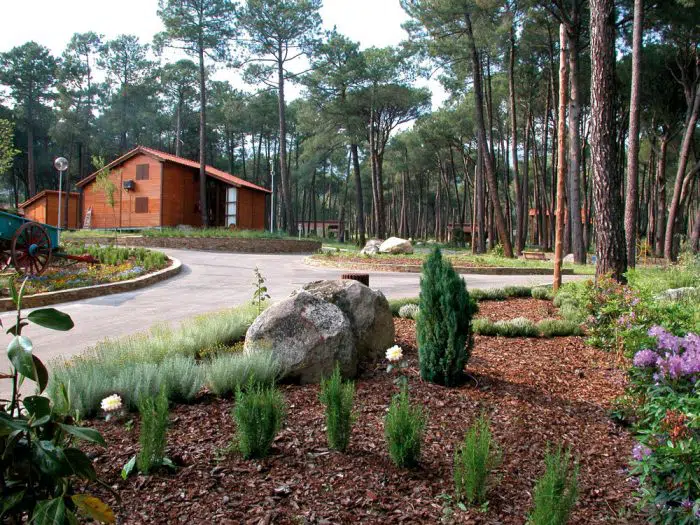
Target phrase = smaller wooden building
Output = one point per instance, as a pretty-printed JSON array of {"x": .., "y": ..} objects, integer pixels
[
  {"x": 43, "y": 207},
  {"x": 154, "y": 189}
]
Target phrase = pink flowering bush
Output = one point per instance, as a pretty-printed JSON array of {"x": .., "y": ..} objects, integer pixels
[{"x": 666, "y": 460}]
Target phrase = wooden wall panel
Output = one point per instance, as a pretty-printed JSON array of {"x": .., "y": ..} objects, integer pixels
[
  {"x": 180, "y": 195},
  {"x": 123, "y": 215},
  {"x": 51, "y": 214}
]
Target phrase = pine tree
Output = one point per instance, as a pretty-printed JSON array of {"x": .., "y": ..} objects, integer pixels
[{"x": 444, "y": 327}]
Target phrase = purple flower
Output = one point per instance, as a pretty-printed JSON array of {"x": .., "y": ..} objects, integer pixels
[
  {"x": 692, "y": 342},
  {"x": 687, "y": 504},
  {"x": 645, "y": 358},
  {"x": 671, "y": 366},
  {"x": 639, "y": 452},
  {"x": 656, "y": 331}
]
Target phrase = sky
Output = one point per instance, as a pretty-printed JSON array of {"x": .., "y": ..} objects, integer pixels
[{"x": 53, "y": 22}]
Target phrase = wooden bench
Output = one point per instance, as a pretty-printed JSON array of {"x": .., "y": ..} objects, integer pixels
[{"x": 534, "y": 256}]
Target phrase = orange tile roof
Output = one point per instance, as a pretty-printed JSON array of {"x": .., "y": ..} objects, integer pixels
[
  {"x": 43, "y": 193},
  {"x": 167, "y": 157}
]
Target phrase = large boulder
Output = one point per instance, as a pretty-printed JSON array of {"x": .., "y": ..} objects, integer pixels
[
  {"x": 396, "y": 245},
  {"x": 367, "y": 310},
  {"x": 372, "y": 247},
  {"x": 307, "y": 336},
  {"x": 568, "y": 258}
]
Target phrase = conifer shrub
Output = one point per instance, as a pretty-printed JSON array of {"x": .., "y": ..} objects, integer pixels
[
  {"x": 338, "y": 396},
  {"x": 154, "y": 426},
  {"x": 474, "y": 461},
  {"x": 556, "y": 491},
  {"x": 259, "y": 413},
  {"x": 404, "y": 426},
  {"x": 443, "y": 328}
]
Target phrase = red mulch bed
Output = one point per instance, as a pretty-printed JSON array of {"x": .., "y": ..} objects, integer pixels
[
  {"x": 534, "y": 390},
  {"x": 533, "y": 309}
]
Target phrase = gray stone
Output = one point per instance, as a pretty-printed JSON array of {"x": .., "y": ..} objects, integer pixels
[
  {"x": 569, "y": 258},
  {"x": 396, "y": 245},
  {"x": 367, "y": 310},
  {"x": 676, "y": 294},
  {"x": 307, "y": 336},
  {"x": 372, "y": 247}
]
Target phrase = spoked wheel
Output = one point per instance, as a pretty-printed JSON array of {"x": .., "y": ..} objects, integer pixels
[
  {"x": 5, "y": 258},
  {"x": 31, "y": 249}
]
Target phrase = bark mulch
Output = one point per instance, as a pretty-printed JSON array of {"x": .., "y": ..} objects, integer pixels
[
  {"x": 533, "y": 309},
  {"x": 535, "y": 391}
]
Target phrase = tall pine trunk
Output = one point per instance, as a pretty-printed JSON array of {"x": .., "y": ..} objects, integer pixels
[
  {"x": 631, "y": 202},
  {"x": 610, "y": 236},
  {"x": 561, "y": 156},
  {"x": 284, "y": 169},
  {"x": 202, "y": 138},
  {"x": 574, "y": 200},
  {"x": 481, "y": 133},
  {"x": 514, "y": 145}
]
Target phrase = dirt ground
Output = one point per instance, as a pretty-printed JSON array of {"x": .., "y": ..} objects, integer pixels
[{"x": 535, "y": 391}]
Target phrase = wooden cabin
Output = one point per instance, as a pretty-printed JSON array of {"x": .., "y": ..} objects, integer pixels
[
  {"x": 43, "y": 207},
  {"x": 156, "y": 189}
]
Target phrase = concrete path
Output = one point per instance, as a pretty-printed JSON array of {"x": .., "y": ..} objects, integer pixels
[{"x": 209, "y": 282}]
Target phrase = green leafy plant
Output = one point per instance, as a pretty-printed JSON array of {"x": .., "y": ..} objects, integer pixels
[
  {"x": 103, "y": 180},
  {"x": 556, "y": 491},
  {"x": 260, "y": 294},
  {"x": 518, "y": 327},
  {"x": 409, "y": 311},
  {"x": 518, "y": 291},
  {"x": 443, "y": 328},
  {"x": 338, "y": 396},
  {"x": 40, "y": 458},
  {"x": 541, "y": 292},
  {"x": 404, "y": 426},
  {"x": 154, "y": 427},
  {"x": 259, "y": 413},
  {"x": 474, "y": 462}
]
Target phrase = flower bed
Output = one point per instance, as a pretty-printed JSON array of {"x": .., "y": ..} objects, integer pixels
[
  {"x": 116, "y": 264},
  {"x": 534, "y": 392}
]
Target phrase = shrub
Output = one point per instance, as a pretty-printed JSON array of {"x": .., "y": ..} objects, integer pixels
[
  {"x": 396, "y": 304},
  {"x": 488, "y": 294},
  {"x": 518, "y": 291},
  {"x": 182, "y": 378},
  {"x": 338, "y": 396},
  {"x": 518, "y": 327},
  {"x": 483, "y": 326},
  {"x": 443, "y": 328},
  {"x": 558, "y": 328},
  {"x": 259, "y": 413},
  {"x": 227, "y": 372},
  {"x": 541, "y": 292},
  {"x": 152, "y": 438},
  {"x": 409, "y": 311},
  {"x": 474, "y": 461},
  {"x": 556, "y": 491},
  {"x": 403, "y": 427}
]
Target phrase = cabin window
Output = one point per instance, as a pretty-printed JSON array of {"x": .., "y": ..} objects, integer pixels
[
  {"x": 142, "y": 172},
  {"x": 231, "y": 206},
  {"x": 141, "y": 205}
]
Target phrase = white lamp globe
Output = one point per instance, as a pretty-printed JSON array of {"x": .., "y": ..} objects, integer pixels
[{"x": 61, "y": 164}]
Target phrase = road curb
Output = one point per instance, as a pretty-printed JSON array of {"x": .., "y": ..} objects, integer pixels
[
  {"x": 98, "y": 290},
  {"x": 415, "y": 268}
]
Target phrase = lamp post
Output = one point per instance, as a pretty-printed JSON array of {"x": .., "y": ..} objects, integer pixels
[{"x": 61, "y": 164}]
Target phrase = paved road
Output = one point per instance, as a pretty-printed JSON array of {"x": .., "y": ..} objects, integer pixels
[{"x": 209, "y": 282}]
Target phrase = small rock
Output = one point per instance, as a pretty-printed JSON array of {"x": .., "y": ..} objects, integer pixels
[{"x": 283, "y": 491}]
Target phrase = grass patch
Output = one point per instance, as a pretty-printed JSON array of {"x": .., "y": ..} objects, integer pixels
[
  {"x": 522, "y": 327},
  {"x": 139, "y": 365},
  {"x": 558, "y": 328},
  {"x": 226, "y": 373}
]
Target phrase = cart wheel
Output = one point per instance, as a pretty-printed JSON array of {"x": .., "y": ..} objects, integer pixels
[
  {"x": 5, "y": 259},
  {"x": 31, "y": 249}
]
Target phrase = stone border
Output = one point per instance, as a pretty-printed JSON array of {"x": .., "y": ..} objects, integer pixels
[
  {"x": 415, "y": 268},
  {"x": 98, "y": 290},
  {"x": 214, "y": 244}
]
